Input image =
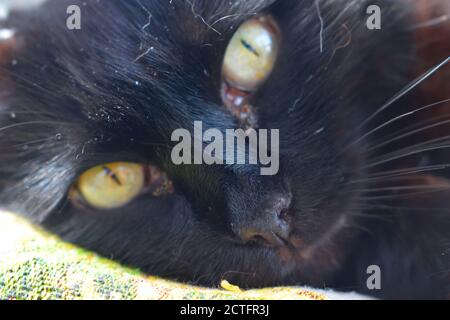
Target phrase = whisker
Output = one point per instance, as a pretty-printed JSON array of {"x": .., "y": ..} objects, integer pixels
[
  {"x": 398, "y": 96},
  {"x": 16, "y": 125},
  {"x": 366, "y": 215},
  {"x": 37, "y": 141},
  {"x": 409, "y": 151},
  {"x": 150, "y": 16},
  {"x": 413, "y": 126},
  {"x": 232, "y": 16},
  {"x": 402, "y": 195},
  {"x": 23, "y": 112},
  {"x": 402, "y": 174},
  {"x": 377, "y": 207},
  {"x": 197, "y": 15},
  {"x": 430, "y": 23},
  {"x": 438, "y": 124},
  {"x": 403, "y": 116},
  {"x": 403, "y": 188},
  {"x": 319, "y": 14}
]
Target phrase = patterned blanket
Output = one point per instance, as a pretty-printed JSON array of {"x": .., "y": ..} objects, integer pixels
[{"x": 35, "y": 265}]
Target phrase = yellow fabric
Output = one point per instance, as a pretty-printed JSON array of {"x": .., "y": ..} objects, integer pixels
[{"x": 35, "y": 265}]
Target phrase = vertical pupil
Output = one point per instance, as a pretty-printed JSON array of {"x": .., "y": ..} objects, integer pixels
[
  {"x": 112, "y": 175},
  {"x": 249, "y": 47}
]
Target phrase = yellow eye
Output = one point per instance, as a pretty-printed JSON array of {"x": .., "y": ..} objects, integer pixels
[
  {"x": 111, "y": 185},
  {"x": 251, "y": 53}
]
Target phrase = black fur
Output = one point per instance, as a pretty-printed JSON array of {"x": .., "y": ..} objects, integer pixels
[{"x": 115, "y": 91}]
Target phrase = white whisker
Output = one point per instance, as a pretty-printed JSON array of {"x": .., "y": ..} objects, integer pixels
[
  {"x": 319, "y": 14},
  {"x": 16, "y": 125},
  {"x": 196, "y": 15},
  {"x": 405, "y": 188},
  {"x": 412, "y": 150},
  {"x": 401, "y": 174},
  {"x": 403, "y": 195},
  {"x": 398, "y": 96},
  {"x": 410, "y": 134},
  {"x": 430, "y": 23},
  {"x": 404, "y": 116}
]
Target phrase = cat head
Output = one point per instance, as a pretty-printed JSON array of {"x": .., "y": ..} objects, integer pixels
[{"x": 136, "y": 71}]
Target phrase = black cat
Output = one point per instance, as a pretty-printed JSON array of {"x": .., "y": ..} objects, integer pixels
[{"x": 351, "y": 191}]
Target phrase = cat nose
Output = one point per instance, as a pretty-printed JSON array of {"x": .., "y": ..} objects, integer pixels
[{"x": 271, "y": 225}]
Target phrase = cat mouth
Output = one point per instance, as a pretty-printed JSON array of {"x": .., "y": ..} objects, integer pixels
[{"x": 276, "y": 241}]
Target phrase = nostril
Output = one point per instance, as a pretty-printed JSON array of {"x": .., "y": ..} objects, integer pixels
[{"x": 270, "y": 226}]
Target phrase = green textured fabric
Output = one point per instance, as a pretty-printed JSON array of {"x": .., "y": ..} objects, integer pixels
[{"x": 35, "y": 265}]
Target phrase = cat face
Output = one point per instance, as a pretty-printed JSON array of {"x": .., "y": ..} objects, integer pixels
[{"x": 117, "y": 89}]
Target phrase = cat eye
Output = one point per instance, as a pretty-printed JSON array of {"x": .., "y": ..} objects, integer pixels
[
  {"x": 109, "y": 186},
  {"x": 114, "y": 185},
  {"x": 251, "y": 54}
]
